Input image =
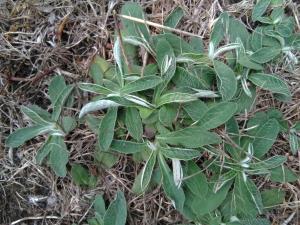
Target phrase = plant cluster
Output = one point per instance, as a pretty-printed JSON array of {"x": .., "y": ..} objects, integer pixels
[{"x": 173, "y": 107}]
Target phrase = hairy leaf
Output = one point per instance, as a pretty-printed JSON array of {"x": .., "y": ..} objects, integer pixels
[
  {"x": 191, "y": 137},
  {"x": 148, "y": 170},
  {"x": 94, "y": 88},
  {"x": 179, "y": 153},
  {"x": 174, "y": 18},
  {"x": 22, "y": 135},
  {"x": 259, "y": 9},
  {"x": 133, "y": 123},
  {"x": 265, "y": 54},
  {"x": 97, "y": 105},
  {"x": 117, "y": 211},
  {"x": 270, "y": 82},
  {"x": 227, "y": 83},
  {"x": 59, "y": 156},
  {"x": 60, "y": 101},
  {"x": 272, "y": 197},
  {"x": 127, "y": 147},
  {"x": 283, "y": 174},
  {"x": 174, "y": 193},
  {"x": 217, "y": 115},
  {"x": 106, "y": 129},
  {"x": 175, "y": 97},
  {"x": 141, "y": 84},
  {"x": 195, "y": 109},
  {"x": 195, "y": 180}
]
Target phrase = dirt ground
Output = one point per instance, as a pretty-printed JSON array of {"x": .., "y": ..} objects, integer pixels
[{"x": 39, "y": 39}]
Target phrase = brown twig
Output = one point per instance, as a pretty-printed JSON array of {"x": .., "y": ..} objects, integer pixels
[{"x": 158, "y": 25}]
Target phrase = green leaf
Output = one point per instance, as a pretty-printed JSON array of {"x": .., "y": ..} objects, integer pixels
[
  {"x": 224, "y": 179},
  {"x": 133, "y": 28},
  {"x": 34, "y": 115},
  {"x": 238, "y": 31},
  {"x": 106, "y": 159},
  {"x": 244, "y": 102},
  {"x": 197, "y": 44},
  {"x": 272, "y": 197},
  {"x": 141, "y": 84},
  {"x": 175, "y": 97},
  {"x": 265, "y": 137},
  {"x": 283, "y": 174},
  {"x": 117, "y": 211},
  {"x": 175, "y": 194},
  {"x": 259, "y": 9},
  {"x": 133, "y": 123},
  {"x": 167, "y": 65},
  {"x": 56, "y": 86},
  {"x": 60, "y": 101},
  {"x": 44, "y": 151},
  {"x": 127, "y": 147},
  {"x": 119, "y": 61},
  {"x": 217, "y": 115},
  {"x": 179, "y": 153},
  {"x": 95, "y": 88},
  {"x": 59, "y": 156},
  {"x": 195, "y": 180},
  {"x": 177, "y": 44},
  {"x": 183, "y": 78},
  {"x": 97, "y": 105},
  {"x": 296, "y": 126},
  {"x": 68, "y": 123},
  {"x": 232, "y": 129},
  {"x": 271, "y": 83},
  {"x": 99, "y": 205},
  {"x": 167, "y": 115},
  {"x": 174, "y": 18},
  {"x": 247, "y": 62},
  {"x": 81, "y": 176},
  {"x": 22, "y": 135},
  {"x": 252, "y": 221},
  {"x": 265, "y": 54},
  {"x": 191, "y": 137},
  {"x": 106, "y": 129},
  {"x": 164, "y": 54},
  {"x": 294, "y": 142},
  {"x": 195, "y": 109},
  {"x": 148, "y": 170},
  {"x": 246, "y": 200},
  {"x": 218, "y": 30},
  {"x": 210, "y": 202},
  {"x": 267, "y": 164},
  {"x": 227, "y": 84},
  {"x": 255, "y": 195},
  {"x": 99, "y": 69}
]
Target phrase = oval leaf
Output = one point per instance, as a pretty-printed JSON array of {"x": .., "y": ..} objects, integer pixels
[
  {"x": 127, "y": 147},
  {"x": 21, "y": 135},
  {"x": 191, "y": 137},
  {"x": 271, "y": 83},
  {"x": 148, "y": 170},
  {"x": 117, "y": 211},
  {"x": 97, "y": 105},
  {"x": 217, "y": 115},
  {"x": 180, "y": 153},
  {"x": 106, "y": 129},
  {"x": 227, "y": 83}
]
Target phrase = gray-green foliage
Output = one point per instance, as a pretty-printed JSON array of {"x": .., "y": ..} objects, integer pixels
[
  {"x": 54, "y": 125},
  {"x": 190, "y": 93},
  {"x": 175, "y": 115},
  {"x": 114, "y": 214}
]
